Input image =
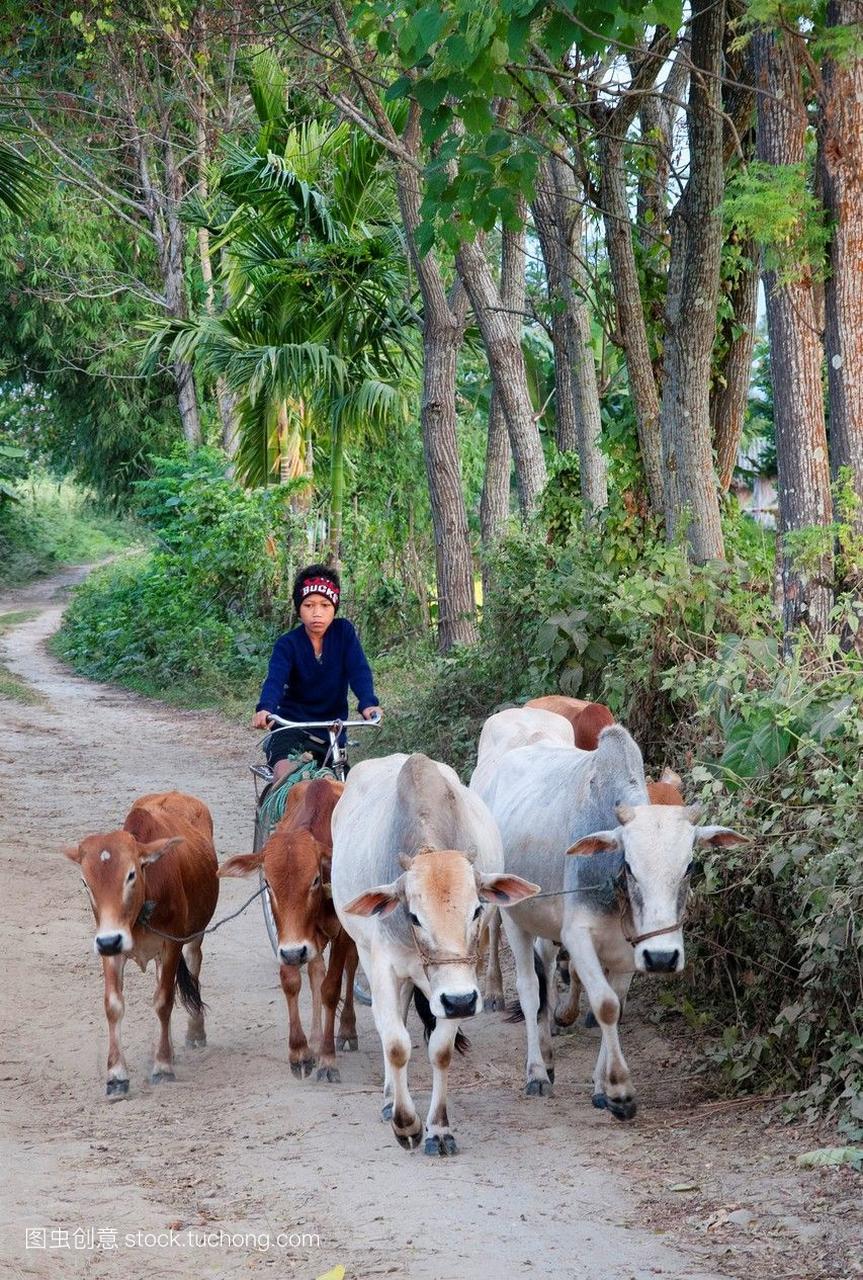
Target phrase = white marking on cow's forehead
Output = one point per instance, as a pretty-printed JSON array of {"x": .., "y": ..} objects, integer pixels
[{"x": 105, "y": 855}]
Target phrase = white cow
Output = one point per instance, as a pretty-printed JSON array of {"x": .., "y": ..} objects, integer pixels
[
  {"x": 617, "y": 905},
  {"x": 417, "y": 862},
  {"x": 505, "y": 731}
]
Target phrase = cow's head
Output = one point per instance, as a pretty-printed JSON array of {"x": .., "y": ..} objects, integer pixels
[
  {"x": 112, "y": 871},
  {"x": 657, "y": 843},
  {"x": 446, "y": 900},
  {"x": 297, "y": 871}
]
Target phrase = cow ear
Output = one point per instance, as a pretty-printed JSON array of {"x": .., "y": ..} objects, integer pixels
[
  {"x": 242, "y": 865},
  {"x": 671, "y": 778},
  {"x": 505, "y": 889},
  {"x": 72, "y": 852},
  {"x": 152, "y": 852},
  {"x": 599, "y": 842},
  {"x": 379, "y": 901},
  {"x": 719, "y": 837}
]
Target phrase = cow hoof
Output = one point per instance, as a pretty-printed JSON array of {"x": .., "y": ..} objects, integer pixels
[
  {"x": 620, "y": 1110},
  {"x": 538, "y": 1088},
  {"x": 196, "y": 1042},
  {"x": 550, "y": 1072},
  {"x": 162, "y": 1077},
  {"x": 441, "y": 1145},
  {"x": 347, "y": 1044},
  {"x": 387, "y": 1111},
  {"x": 410, "y": 1141},
  {"x": 494, "y": 1003},
  {"x": 330, "y": 1074},
  {"x": 117, "y": 1089},
  {"x": 304, "y": 1068}
]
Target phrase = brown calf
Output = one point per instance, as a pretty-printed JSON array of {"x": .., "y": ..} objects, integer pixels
[
  {"x": 160, "y": 870},
  {"x": 296, "y": 863}
]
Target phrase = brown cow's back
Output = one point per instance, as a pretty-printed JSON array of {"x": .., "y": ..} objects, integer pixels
[
  {"x": 310, "y": 806},
  {"x": 186, "y": 877},
  {"x": 569, "y": 708}
]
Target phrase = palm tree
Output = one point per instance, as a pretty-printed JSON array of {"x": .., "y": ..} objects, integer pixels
[{"x": 318, "y": 339}]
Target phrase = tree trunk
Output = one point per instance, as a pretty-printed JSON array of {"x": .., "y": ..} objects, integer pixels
[
  {"x": 337, "y": 494},
  {"x": 494, "y": 504},
  {"x": 730, "y": 398},
  {"x": 506, "y": 364},
  {"x": 443, "y": 333},
  {"x": 795, "y": 360},
  {"x": 557, "y": 212},
  {"x": 841, "y": 166},
  {"x": 696, "y": 250},
  {"x": 441, "y": 344},
  {"x": 632, "y": 329}
]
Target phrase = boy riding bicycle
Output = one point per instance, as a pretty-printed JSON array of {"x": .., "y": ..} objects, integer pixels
[{"x": 310, "y": 670}]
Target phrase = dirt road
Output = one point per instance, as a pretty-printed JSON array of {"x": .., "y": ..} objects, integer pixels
[{"x": 238, "y": 1159}]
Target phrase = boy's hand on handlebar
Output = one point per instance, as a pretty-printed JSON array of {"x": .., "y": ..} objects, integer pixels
[
  {"x": 372, "y": 713},
  {"x": 261, "y": 720}
]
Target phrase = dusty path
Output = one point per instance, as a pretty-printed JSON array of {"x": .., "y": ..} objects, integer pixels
[{"x": 237, "y": 1146}]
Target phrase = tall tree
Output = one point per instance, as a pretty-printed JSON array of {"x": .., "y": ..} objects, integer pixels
[
  {"x": 558, "y": 218},
  {"x": 795, "y": 354},
  {"x": 443, "y": 320},
  {"x": 841, "y": 169},
  {"x": 693, "y": 290}
]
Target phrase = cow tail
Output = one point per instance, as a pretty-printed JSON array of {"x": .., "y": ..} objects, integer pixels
[
  {"x": 429, "y": 1021},
  {"x": 514, "y": 1012},
  {"x": 189, "y": 988}
]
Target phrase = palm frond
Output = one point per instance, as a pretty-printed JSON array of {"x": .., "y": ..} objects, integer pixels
[{"x": 21, "y": 184}]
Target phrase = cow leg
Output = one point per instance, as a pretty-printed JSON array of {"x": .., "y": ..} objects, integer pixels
[
  {"x": 163, "y": 1002},
  {"x": 388, "y": 1006},
  {"x": 566, "y": 1010},
  {"x": 196, "y": 1035},
  {"x": 115, "y": 1006},
  {"x": 299, "y": 1054},
  {"x": 492, "y": 997},
  {"x": 439, "y": 1141},
  {"x": 546, "y": 951},
  {"x": 612, "y": 1084},
  {"x": 521, "y": 944},
  {"x": 317, "y": 973},
  {"x": 331, "y": 989},
  {"x": 348, "y": 1021}
]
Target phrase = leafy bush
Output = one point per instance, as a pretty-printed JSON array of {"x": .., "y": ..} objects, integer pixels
[{"x": 777, "y": 976}]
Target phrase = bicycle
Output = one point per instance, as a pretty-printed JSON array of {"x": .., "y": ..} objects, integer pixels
[{"x": 267, "y": 815}]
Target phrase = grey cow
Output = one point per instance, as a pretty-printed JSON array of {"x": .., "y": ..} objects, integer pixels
[{"x": 625, "y": 885}]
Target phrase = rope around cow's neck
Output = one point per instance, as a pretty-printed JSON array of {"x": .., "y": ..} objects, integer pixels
[
  {"x": 210, "y": 928},
  {"x": 623, "y": 902}
]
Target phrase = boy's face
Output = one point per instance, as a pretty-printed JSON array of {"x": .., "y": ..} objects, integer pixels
[{"x": 316, "y": 614}]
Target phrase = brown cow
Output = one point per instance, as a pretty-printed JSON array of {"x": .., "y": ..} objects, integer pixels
[
  {"x": 296, "y": 862},
  {"x": 588, "y": 719},
  {"x": 160, "y": 870}
]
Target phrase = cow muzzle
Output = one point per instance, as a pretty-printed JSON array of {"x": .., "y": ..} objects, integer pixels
[
  {"x": 110, "y": 944},
  {"x": 658, "y": 960},
  {"x": 298, "y": 955},
  {"x": 463, "y": 1005}
]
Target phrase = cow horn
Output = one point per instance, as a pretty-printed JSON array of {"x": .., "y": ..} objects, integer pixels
[
  {"x": 405, "y": 861},
  {"x": 693, "y": 812},
  {"x": 624, "y": 813}
]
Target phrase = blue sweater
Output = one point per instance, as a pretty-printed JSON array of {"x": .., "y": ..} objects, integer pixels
[{"x": 299, "y": 687}]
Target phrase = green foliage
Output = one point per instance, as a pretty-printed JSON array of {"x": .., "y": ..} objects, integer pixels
[
  {"x": 456, "y": 60},
  {"x": 53, "y": 524},
  {"x": 775, "y": 206},
  {"x": 777, "y": 967},
  {"x": 206, "y": 606}
]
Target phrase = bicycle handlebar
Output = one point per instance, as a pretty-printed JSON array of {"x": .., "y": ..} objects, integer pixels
[{"x": 323, "y": 724}]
